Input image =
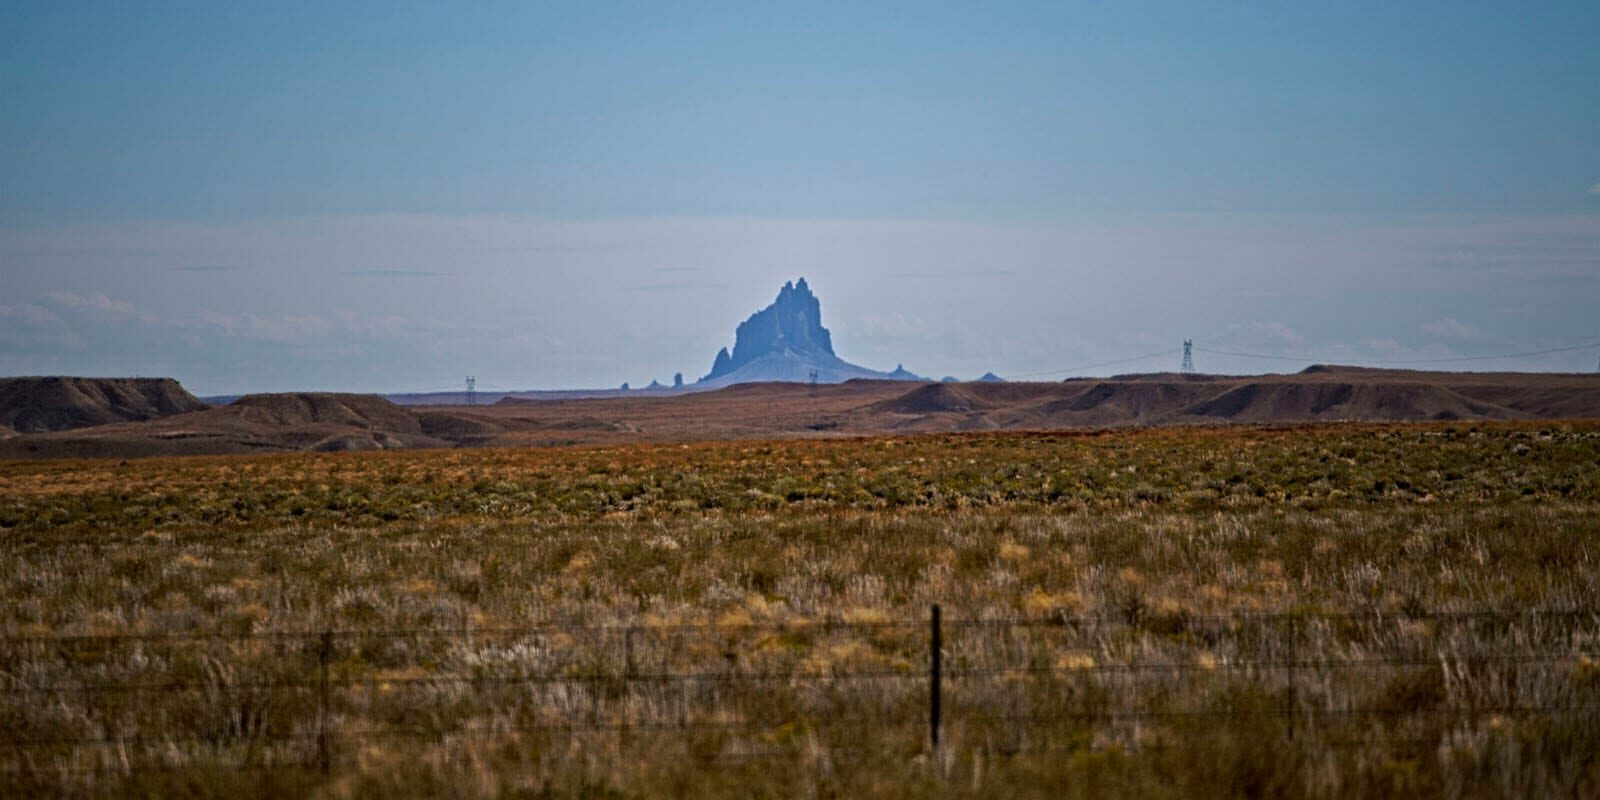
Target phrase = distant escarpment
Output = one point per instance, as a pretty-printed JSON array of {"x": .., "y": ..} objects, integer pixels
[
  {"x": 786, "y": 342},
  {"x": 1320, "y": 394},
  {"x": 323, "y": 422},
  {"x": 41, "y": 405},
  {"x": 261, "y": 423}
]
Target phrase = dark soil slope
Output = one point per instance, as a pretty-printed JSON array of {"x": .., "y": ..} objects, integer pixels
[
  {"x": 365, "y": 411},
  {"x": 289, "y": 422},
  {"x": 1321, "y": 393},
  {"x": 1277, "y": 402},
  {"x": 461, "y": 427},
  {"x": 253, "y": 424},
  {"x": 40, "y": 405},
  {"x": 938, "y": 398}
]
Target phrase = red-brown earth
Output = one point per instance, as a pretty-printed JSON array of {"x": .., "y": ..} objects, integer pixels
[{"x": 318, "y": 421}]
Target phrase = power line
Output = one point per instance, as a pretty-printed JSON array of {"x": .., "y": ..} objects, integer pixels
[
  {"x": 1209, "y": 351},
  {"x": 1098, "y": 365},
  {"x": 1449, "y": 360},
  {"x": 1568, "y": 349}
]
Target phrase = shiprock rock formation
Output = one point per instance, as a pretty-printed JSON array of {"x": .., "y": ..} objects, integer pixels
[
  {"x": 786, "y": 342},
  {"x": 41, "y": 405}
]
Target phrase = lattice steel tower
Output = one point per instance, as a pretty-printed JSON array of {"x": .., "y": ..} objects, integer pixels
[
  {"x": 472, "y": 391},
  {"x": 1188, "y": 358}
]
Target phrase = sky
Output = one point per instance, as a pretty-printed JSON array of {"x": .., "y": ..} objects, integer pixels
[{"x": 391, "y": 196}]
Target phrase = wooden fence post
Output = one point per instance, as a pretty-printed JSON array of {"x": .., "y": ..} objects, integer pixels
[{"x": 324, "y": 655}]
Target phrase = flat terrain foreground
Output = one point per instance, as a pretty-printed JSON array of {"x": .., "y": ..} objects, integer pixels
[{"x": 1327, "y": 611}]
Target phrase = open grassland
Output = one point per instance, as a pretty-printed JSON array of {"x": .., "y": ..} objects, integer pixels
[{"x": 1319, "y": 611}]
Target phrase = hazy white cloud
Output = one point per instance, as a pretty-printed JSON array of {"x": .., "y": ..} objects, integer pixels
[
  {"x": 393, "y": 273},
  {"x": 676, "y": 286},
  {"x": 1267, "y": 333},
  {"x": 291, "y": 329},
  {"x": 893, "y": 326},
  {"x": 32, "y": 327},
  {"x": 1451, "y": 328},
  {"x": 974, "y": 274},
  {"x": 116, "y": 318},
  {"x": 1459, "y": 260},
  {"x": 1595, "y": 189},
  {"x": 371, "y": 327},
  {"x": 96, "y": 303}
]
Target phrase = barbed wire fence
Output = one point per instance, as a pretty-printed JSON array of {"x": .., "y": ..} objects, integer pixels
[{"x": 120, "y": 703}]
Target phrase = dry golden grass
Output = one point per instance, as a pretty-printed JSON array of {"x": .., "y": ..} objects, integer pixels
[{"x": 739, "y": 619}]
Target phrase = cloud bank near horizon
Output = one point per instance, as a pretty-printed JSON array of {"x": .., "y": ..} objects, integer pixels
[{"x": 397, "y": 303}]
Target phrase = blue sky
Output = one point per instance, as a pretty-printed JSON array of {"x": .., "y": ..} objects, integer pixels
[{"x": 381, "y": 196}]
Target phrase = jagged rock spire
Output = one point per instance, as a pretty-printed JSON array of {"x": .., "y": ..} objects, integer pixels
[
  {"x": 792, "y": 323},
  {"x": 786, "y": 342}
]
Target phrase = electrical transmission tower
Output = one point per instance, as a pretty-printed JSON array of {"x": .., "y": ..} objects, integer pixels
[
  {"x": 472, "y": 391},
  {"x": 1188, "y": 358},
  {"x": 813, "y": 383}
]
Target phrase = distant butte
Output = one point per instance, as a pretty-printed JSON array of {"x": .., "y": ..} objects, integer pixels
[
  {"x": 786, "y": 342},
  {"x": 44, "y": 404}
]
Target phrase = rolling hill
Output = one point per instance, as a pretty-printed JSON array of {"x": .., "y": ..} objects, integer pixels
[{"x": 765, "y": 410}]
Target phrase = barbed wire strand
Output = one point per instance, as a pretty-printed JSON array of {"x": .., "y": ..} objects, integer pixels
[{"x": 1123, "y": 620}]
